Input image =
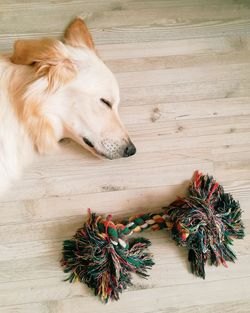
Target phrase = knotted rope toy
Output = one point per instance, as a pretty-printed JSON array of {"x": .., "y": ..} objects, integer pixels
[{"x": 102, "y": 254}]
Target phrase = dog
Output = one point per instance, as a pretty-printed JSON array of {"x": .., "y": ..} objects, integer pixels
[{"x": 50, "y": 90}]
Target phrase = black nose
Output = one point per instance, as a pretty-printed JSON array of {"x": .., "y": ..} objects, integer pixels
[{"x": 129, "y": 150}]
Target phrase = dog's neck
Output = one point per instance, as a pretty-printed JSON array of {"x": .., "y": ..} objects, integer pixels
[{"x": 16, "y": 146}]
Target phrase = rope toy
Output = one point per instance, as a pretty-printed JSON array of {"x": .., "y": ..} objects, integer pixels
[{"x": 102, "y": 255}]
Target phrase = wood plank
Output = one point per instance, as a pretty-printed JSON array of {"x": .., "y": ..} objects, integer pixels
[
  {"x": 74, "y": 295},
  {"x": 227, "y": 307},
  {"x": 192, "y": 47},
  {"x": 177, "y": 61},
  {"x": 183, "y": 75},
  {"x": 167, "y": 112},
  {"x": 142, "y": 33},
  {"x": 124, "y": 179},
  {"x": 191, "y": 91}
]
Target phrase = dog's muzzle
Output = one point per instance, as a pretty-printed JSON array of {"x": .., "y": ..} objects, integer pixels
[{"x": 114, "y": 150}]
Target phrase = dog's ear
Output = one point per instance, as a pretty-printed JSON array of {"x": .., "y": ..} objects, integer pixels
[
  {"x": 50, "y": 58},
  {"x": 78, "y": 35},
  {"x": 28, "y": 52}
]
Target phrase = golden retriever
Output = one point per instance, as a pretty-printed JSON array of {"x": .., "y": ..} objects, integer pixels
[{"x": 50, "y": 90}]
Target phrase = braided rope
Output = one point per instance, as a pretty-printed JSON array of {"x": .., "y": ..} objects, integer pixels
[{"x": 118, "y": 233}]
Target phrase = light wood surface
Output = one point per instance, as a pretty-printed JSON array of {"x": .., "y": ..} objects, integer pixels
[{"x": 184, "y": 71}]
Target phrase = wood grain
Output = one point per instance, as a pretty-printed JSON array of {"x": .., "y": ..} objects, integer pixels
[{"x": 183, "y": 69}]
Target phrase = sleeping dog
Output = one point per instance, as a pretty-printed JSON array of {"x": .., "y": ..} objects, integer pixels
[{"x": 51, "y": 90}]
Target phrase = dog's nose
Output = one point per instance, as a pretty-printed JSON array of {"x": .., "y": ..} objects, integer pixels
[{"x": 129, "y": 150}]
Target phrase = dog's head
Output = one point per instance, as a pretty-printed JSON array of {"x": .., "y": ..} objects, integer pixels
[{"x": 72, "y": 94}]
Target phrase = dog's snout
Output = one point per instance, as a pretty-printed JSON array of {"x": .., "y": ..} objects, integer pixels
[{"x": 129, "y": 150}]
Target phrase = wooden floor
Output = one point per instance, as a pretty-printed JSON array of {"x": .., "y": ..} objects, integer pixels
[{"x": 184, "y": 72}]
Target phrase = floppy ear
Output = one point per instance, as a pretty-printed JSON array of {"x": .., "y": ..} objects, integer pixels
[
  {"x": 50, "y": 58},
  {"x": 78, "y": 35},
  {"x": 27, "y": 52}
]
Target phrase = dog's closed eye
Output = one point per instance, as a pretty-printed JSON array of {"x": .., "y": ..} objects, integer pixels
[
  {"x": 108, "y": 103},
  {"x": 88, "y": 142}
]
